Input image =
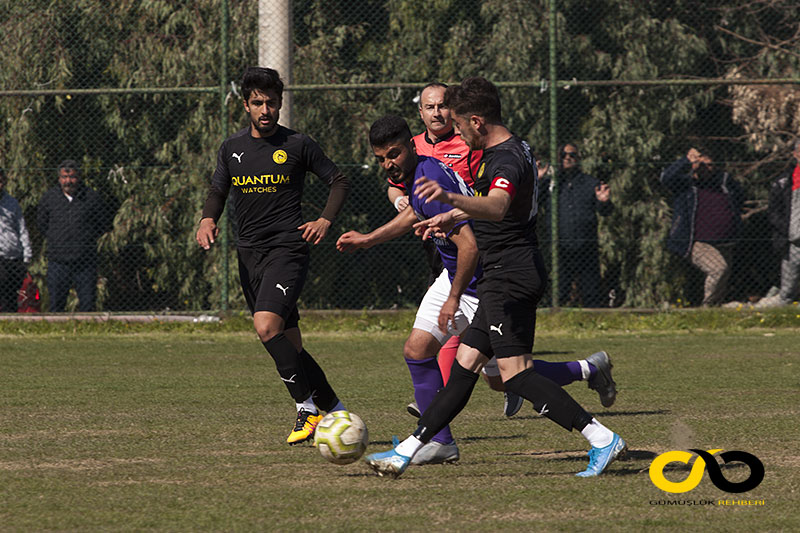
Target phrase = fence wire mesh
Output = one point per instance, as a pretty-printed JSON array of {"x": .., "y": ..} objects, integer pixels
[{"x": 684, "y": 115}]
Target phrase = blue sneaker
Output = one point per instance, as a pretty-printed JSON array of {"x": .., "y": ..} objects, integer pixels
[
  {"x": 600, "y": 458},
  {"x": 389, "y": 463}
]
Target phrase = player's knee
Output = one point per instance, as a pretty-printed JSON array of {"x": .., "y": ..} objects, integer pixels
[
  {"x": 413, "y": 351},
  {"x": 266, "y": 331}
]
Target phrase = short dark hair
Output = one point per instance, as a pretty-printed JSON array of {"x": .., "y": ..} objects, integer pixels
[
  {"x": 261, "y": 79},
  {"x": 475, "y": 96},
  {"x": 389, "y": 129},
  {"x": 69, "y": 164}
]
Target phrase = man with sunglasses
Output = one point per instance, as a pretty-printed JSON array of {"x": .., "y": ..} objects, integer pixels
[{"x": 581, "y": 198}]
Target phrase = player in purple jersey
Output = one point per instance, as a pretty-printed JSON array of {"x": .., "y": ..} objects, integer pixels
[
  {"x": 262, "y": 168},
  {"x": 450, "y": 303},
  {"x": 504, "y": 213}
]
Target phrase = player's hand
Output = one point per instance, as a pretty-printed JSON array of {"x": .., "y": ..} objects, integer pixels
[
  {"x": 207, "y": 233},
  {"x": 351, "y": 241},
  {"x": 602, "y": 192},
  {"x": 448, "y": 313},
  {"x": 429, "y": 191},
  {"x": 401, "y": 203},
  {"x": 315, "y": 231},
  {"x": 439, "y": 226}
]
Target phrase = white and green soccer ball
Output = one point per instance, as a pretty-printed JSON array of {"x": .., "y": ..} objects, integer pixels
[{"x": 341, "y": 437}]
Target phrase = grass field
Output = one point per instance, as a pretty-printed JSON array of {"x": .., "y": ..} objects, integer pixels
[{"x": 184, "y": 430}]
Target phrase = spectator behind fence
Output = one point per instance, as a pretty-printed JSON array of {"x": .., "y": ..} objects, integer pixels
[
  {"x": 72, "y": 217},
  {"x": 15, "y": 248},
  {"x": 784, "y": 216},
  {"x": 706, "y": 218},
  {"x": 581, "y": 198}
]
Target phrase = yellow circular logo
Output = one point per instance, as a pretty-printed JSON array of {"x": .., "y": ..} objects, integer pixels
[
  {"x": 480, "y": 170},
  {"x": 691, "y": 481},
  {"x": 279, "y": 157}
]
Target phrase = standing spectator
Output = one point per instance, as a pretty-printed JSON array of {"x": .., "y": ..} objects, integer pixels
[
  {"x": 15, "y": 248},
  {"x": 706, "y": 217},
  {"x": 72, "y": 217},
  {"x": 581, "y": 198},
  {"x": 784, "y": 216}
]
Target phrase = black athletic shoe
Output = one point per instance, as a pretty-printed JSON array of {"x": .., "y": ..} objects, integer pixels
[{"x": 602, "y": 382}]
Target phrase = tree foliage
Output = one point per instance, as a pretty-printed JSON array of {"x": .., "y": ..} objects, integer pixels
[{"x": 151, "y": 154}]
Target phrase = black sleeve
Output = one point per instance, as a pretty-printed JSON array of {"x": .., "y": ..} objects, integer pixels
[
  {"x": 340, "y": 187},
  {"x": 220, "y": 186},
  {"x": 318, "y": 163}
]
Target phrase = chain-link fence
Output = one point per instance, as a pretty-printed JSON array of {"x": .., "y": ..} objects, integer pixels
[{"x": 662, "y": 126}]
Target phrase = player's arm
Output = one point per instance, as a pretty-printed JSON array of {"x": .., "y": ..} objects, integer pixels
[
  {"x": 492, "y": 207},
  {"x": 397, "y": 197},
  {"x": 314, "y": 231},
  {"x": 317, "y": 162},
  {"x": 215, "y": 203},
  {"x": 399, "y": 225},
  {"x": 466, "y": 262}
]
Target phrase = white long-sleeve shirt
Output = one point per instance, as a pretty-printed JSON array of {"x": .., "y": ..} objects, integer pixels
[{"x": 14, "y": 240}]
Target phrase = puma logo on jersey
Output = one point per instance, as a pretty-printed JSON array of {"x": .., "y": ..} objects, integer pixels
[
  {"x": 498, "y": 328},
  {"x": 237, "y": 156},
  {"x": 544, "y": 410},
  {"x": 281, "y": 287},
  {"x": 290, "y": 380}
]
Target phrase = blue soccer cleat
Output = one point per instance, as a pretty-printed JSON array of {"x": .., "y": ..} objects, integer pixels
[
  {"x": 600, "y": 458},
  {"x": 389, "y": 463}
]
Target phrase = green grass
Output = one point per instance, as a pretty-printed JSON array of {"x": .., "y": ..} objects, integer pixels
[{"x": 183, "y": 428}]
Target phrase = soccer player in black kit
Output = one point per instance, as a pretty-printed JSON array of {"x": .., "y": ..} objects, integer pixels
[
  {"x": 504, "y": 213},
  {"x": 263, "y": 168}
]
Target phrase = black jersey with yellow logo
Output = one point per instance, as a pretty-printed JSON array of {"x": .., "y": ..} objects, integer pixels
[
  {"x": 264, "y": 178},
  {"x": 509, "y": 166}
]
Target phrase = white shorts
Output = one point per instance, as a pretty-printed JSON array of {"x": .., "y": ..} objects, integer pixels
[{"x": 428, "y": 313}]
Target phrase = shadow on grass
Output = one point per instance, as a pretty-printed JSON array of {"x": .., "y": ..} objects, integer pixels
[{"x": 604, "y": 414}]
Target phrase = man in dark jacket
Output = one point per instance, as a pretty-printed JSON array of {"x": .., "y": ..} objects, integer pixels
[
  {"x": 706, "y": 218},
  {"x": 72, "y": 217},
  {"x": 784, "y": 217},
  {"x": 581, "y": 198}
]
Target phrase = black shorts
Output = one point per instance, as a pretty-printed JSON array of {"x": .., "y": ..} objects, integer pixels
[
  {"x": 505, "y": 322},
  {"x": 272, "y": 280}
]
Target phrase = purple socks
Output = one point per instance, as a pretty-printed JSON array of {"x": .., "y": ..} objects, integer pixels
[{"x": 427, "y": 380}]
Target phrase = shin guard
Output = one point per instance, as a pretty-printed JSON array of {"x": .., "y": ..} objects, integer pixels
[
  {"x": 321, "y": 391},
  {"x": 290, "y": 370}
]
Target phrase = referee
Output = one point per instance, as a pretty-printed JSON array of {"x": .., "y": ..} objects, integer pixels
[{"x": 262, "y": 168}]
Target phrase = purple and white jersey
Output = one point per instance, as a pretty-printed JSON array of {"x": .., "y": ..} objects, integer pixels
[{"x": 435, "y": 170}]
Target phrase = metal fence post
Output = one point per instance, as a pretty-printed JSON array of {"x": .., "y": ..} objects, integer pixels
[
  {"x": 553, "y": 157},
  {"x": 223, "y": 93}
]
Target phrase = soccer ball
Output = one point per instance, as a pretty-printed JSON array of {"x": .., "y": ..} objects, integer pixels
[{"x": 341, "y": 437}]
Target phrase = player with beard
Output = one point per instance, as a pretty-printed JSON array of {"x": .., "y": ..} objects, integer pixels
[
  {"x": 504, "y": 213},
  {"x": 263, "y": 168}
]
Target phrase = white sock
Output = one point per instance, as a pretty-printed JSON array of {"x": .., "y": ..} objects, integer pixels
[
  {"x": 597, "y": 434},
  {"x": 409, "y": 446},
  {"x": 585, "y": 370},
  {"x": 338, "y": 407},
  {"x": 307, "y": 405}
]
